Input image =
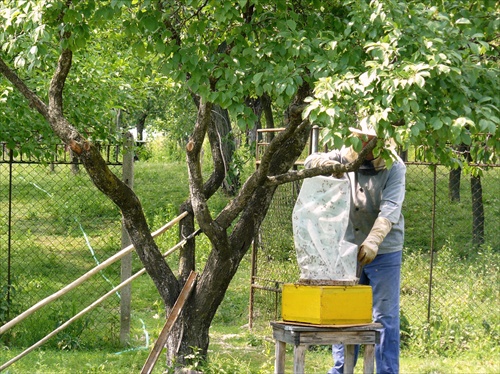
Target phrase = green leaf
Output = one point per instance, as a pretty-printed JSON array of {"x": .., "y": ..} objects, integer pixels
[
  {"x": 291, "y": 24},
  {"x": 487, "y": 126},
  {"x": 414, "y": 130},
  {"x": 242, "y": 124},
  {"x": 150, "y": 23},
  {"x": 474, "y": 48},
  {"x": 419, "y": 80},
  {"x": 436, "y": 123},
  {"x": 139, "y": 48},
  {"x": 463, "y": 21},
  {"x": 466, "y": 139},
  {"x": 257, "y": 78}
]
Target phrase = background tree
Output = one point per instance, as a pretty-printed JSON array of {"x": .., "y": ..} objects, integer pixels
[{"x": 430, "y": 68}]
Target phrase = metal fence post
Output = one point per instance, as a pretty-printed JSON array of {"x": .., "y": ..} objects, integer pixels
[
  {"x": 126, "y": 262},
  {"x": 314, "y": 139},
  {"x": 433, "y": 228},
  {"x": 9, "y": 237}
]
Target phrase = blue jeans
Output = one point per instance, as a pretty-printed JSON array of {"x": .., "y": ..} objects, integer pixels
[{"x": 384, "y": 275}]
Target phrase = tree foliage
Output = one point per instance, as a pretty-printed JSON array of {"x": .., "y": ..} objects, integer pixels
[{"x": 433, "y": 67}]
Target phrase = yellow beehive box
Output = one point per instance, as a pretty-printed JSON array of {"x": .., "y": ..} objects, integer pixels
[{"x": 327, "y": 305}]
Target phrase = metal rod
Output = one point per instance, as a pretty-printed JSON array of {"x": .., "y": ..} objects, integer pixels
[
  {"x": 266, "y": 288},
  {"x": 252, "y": 277},
  {"x": 9, "y": 236},
  {"x": 433, "y": 225},
  {"x": 314, "y": 139}
]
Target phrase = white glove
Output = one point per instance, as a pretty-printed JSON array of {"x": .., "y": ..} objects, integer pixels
[
  {"x": 369, "y": 248},
  {"x": 318, "y": 161}
]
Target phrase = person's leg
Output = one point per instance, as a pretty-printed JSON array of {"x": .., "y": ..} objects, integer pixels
[
  {"x": 384, "y": 276},
  {"x": 338, "y": 359}
]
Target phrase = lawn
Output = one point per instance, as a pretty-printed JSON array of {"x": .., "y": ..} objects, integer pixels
[{"x": 454, "y": 341}]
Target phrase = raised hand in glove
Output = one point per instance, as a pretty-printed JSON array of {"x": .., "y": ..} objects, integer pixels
[
  {"x": 369, "y": 248},
  {"x": 319, "y": 161}
]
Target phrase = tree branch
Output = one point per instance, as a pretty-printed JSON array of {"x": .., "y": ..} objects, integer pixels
[
  {"x": 293, "y": 176},
  {"x": 193, "y": 151},
  {"x": 268, "y": 162},
  {"x": 258, "y": 178},
  {"x": 33, "y": 99},
  {"x": 58, "y": 81}
]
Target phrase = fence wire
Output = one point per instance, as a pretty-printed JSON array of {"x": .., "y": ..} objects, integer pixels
[
  {"x": 449, "y": 289},
  {"x": 54, "y": 227}
]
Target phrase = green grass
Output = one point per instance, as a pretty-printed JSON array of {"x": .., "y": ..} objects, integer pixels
[{"x": 463, "y": 335}]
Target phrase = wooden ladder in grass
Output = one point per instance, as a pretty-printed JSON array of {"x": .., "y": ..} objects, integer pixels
[{"x": 162, "y": 338}]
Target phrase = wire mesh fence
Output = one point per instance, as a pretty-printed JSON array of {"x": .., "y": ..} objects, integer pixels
[
  {"x": 54, "y": 227},
  {"x": 450, "y": 287}
]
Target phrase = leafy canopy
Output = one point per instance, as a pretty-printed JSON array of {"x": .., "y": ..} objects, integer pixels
[
  {"x": 430, "y": 67},
  {"x": 435, "y": 67}
]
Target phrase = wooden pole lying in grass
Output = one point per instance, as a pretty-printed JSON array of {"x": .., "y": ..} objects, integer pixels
[
  {"x": 83, "y": 278},
  {"x": 162, "y": 338},
  {"x": 93, "y": 305},
  {"x": 71, "y": 320}
]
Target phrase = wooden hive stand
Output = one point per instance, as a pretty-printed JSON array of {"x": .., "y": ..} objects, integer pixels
[{"x": 303, "y": 335}]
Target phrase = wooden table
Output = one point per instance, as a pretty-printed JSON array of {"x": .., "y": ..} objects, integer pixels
[{"x": 303, "y": 335}]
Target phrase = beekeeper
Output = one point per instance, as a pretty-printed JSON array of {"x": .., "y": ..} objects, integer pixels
[{"x": 377, "y": 226}]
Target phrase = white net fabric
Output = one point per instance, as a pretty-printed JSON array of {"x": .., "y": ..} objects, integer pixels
[{"x": 320, "y": 219}]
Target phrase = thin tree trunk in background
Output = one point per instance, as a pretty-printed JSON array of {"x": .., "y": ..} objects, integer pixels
[
  {"x": 141, "y": 124},
  {"x": 226, "y": 142},
  {"x": 268, "y": 114},
  {"x": 454, "y": 184},
  {"x": 476, "y": 190},
  {"x": 404, "y": 155},
  {"x": 477, "y": 211},
  {"x": 257, "y": 107},
  {"x": 462, "y": 151}
]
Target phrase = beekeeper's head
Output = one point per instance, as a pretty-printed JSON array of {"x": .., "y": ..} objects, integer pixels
[{"x": 364, "y": 131}]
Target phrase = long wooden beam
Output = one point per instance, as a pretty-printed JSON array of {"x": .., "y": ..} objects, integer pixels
[
  {"x": 162, "y": 338},
  {"x": 72, "y": 319},
  {"x": 84, "y": 277},
  {"x": 90, "y": 307}
]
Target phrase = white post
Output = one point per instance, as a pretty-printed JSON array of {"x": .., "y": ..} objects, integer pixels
[
  {"x": 126, "y": 262},
  {"x": 314, "y": 139}
]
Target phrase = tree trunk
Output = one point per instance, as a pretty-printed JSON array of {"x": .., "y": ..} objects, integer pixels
[
  {"x": 74, "y": 162},
  {"x": 251, "y": 133},
  {"x": 476, "y": 190},
  {"x": 462, "y": 151},
  {"x": 477, "y": 211},
  {"x": 141, "y": 124},
  {"x": 268, "y": 114},
  {"x": 225, "y": 140},
  {"x": 230, "y": 233},
  {"x": 454, "y": 184},
  {"x": 244, "y": 217}
]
